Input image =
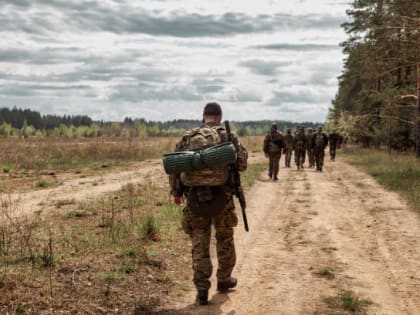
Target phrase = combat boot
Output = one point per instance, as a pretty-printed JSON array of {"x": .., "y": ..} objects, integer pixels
[
  {"x": 202, "y": 297},
  {"x": 225, "y": 286}
]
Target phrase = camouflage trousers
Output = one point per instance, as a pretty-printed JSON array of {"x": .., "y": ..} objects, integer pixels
[
  {"x": 288, "y": 157},
  {"x": 333, "y": 149},
  {"x": 311, "y": 157},
  {"x": 274, "y": 162},
  {"x": 299, "y": 157},
  {"x": 319, "y": 158},
  {"x": 199, "y": 229}
]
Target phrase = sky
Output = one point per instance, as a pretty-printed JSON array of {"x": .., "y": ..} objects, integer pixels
[{"x": 165, "y": 59}]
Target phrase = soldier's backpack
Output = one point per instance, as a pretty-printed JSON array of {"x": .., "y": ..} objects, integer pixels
[{"x": 199, "y": 139}]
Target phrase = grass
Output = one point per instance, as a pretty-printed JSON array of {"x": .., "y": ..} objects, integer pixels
[
  {"x": 325, "y": 272},
  {"x": 252, "y": 174},
  {"x": 397, "y": 171},
  {"x": 348, "y": 301},
  {"x": 66, "y": 260}
]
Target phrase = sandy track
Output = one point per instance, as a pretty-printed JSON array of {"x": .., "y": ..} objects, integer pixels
[
  {"x": 91, "y": 187},
  {"x": 85, "y": 188},
  {"x": 340, "y": 219}
]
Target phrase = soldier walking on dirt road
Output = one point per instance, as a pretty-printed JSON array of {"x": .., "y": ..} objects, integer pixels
[
  {"x": 288, "y": 147},
  {"x": 334, "y": 140},
  {"x": 319, "y": 143},
  {"x": 273, "y": 144},
  {"x": 299, "y": 145},
  {"x": 309, "y": 148},
  {"x": 209, "y": 203}
]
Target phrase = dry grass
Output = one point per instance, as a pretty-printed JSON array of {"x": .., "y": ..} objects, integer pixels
[{"x": 95, "y": 257}]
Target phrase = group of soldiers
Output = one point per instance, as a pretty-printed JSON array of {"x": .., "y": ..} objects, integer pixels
[{"x": 311, "y": 143}]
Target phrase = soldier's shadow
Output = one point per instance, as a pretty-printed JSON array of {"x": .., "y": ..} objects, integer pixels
[{"x": 214, "y": 307}]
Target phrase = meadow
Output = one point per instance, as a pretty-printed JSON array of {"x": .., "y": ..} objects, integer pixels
[{"x": 396, "y": 171}]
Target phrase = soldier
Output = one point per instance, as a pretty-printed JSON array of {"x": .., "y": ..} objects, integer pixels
[
  {"x": 198, "y": 218},
  {"x": 299, "y": 145},
  {"x": 288, "y": 147},
  {"x": 273, "y": 144},
  {"x": 319, "y": 143},
  {"x": 335, "y": 143},
  {"x": 309, "y": 148}
]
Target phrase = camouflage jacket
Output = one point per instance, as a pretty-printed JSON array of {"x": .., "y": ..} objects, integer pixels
[
  {"x": 273, "y": 142},
  {"x": 334, "y": 139},
  {"x": 177, "y": 189},
  {"x": 288, "y": 141},
  {"x": 299, "y": 141},
  {"x": 309, "y": 140},
  {"x": 324, "y": 140}
]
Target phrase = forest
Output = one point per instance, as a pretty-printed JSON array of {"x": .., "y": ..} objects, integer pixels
[
  {"x": 26, "y": 123},
  {"x": 377, "y": 101}
]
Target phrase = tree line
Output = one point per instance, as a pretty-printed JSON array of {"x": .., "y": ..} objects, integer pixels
[
  {"x": 377, "y": 100},
  {"x": 27, "y": 123}
]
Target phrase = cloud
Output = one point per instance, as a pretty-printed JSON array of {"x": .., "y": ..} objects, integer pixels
[
  {"x": 139, "y": 93},
  {"x": 298, "y": 47},
  {"x": 295, "y": 95},
  {"x": 58, "y": 16},
  {"x": 263, "y": 67}
]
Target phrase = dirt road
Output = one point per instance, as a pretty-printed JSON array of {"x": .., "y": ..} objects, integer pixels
[{"x": 338, "y": 223}]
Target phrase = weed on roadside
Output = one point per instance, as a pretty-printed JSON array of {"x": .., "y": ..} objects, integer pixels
[{"x": 348, "y": 301}]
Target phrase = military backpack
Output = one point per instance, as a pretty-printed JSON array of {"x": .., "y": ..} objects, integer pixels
[{"x": 200, "y": 139}]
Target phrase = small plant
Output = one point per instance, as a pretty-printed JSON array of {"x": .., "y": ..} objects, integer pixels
[
  {"x": 42, "y": 183},
  {"x": 76, "y": 214},
  {"x": 347, "y": 301},
  {"x": 149, "y": 228},
  {"x": 112, "y": 276},
  {"x": 325, "y": 272},
  {"x": 126, "y": 268}
]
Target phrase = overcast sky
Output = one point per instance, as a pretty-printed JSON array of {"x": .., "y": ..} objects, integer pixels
[{"x": 165, "y": 59}]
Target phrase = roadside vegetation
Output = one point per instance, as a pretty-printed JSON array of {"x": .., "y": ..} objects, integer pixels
[{"x": 396, "y": 171}]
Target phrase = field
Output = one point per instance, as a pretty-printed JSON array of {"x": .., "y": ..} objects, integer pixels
[{"x": 122, "y": 251}]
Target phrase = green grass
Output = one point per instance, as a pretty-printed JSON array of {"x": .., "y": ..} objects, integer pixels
[
  {"x": 252, "y": 174},
  {"x": 397, "y": 171},
  {"x": 325, "y": 272},
  {"x": 348, "y": 301}
]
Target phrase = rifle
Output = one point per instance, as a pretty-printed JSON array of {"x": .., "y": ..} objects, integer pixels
[{"x": 235, "y": 181}]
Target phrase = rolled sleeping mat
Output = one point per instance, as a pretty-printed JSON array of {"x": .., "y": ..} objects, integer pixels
[
  {"x": 219, "y": 155},
  {"x": 185, "y": 161}
]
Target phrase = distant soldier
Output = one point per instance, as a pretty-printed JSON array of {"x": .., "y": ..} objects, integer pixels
[
  {"x": 334, "y": 140},
  {"x": 288, "y": 147},
  {"x": 319, "y": 143},
  {"x": 209, "y": 203},
  {"x": 299, "y": 145},
  {"x": 309, "y": 148},
  {"x": 273, "y": 144}
]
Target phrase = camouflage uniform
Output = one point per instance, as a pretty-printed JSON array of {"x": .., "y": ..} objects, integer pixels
[
  {"x": 309, "y": 148},
  {"x": 288, "y": 148},
  {"x": 334, "y": 140},
  {"x": 299, "y": 145},
  {"x": 319, "y": 143},
  {"x": 273, "y": 144},
  {"x": 199, "y": 227}
]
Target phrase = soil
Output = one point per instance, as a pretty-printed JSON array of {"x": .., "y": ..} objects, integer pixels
[{"x": 340, "y": 220}]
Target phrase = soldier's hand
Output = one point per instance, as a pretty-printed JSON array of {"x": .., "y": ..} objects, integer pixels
[
  {"x": 179, "y": 200},
  {"x": 266, "y": 155}
]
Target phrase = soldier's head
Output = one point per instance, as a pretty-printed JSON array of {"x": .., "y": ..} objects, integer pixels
[
  {"x": 273, "y": 127},
  {"x": 289, "y": 131},
  {"x": 310, "y": 130},
  {"x": 319, "y": 129},
  {"x": 212, "y": 113}
]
